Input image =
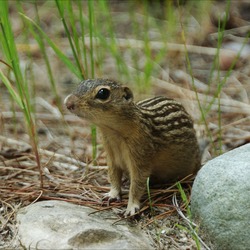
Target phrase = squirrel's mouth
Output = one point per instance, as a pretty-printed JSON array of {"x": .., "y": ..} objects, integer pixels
[{"x": 70, "y": 103}]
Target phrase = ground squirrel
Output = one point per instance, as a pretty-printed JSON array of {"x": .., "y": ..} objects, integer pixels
[{"x": 151, "y": 138}]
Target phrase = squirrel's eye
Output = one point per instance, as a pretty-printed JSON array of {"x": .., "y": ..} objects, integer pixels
[{"x": 103, "y": 94}]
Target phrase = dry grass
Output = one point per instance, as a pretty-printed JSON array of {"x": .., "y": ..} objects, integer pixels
[{"x": 67, "y": 179}]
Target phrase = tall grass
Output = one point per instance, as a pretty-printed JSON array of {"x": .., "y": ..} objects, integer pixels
[
  {"x": 92, "y": 33},
  {"x": 21, "y": 95},
  {"x": 191, "y": 229},
  {"x": 92, "y": 63},
  {"x": 76, "y": 41},
  {"x": 220, "y": 82}
]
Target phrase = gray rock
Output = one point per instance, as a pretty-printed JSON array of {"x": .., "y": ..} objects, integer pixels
[
  {"x": 220, "y": 200},
  {"x": 61, "y": 225}
]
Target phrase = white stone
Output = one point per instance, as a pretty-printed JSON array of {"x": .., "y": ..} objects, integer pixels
[
  {"x": 61, "y": 225},
  {"x": 220, "y": 200}
]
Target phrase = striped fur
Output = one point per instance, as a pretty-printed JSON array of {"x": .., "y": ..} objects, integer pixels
[{"x": 165, "y": 118}]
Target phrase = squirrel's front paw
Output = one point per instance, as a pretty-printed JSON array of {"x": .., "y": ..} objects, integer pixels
[
  {"x": 111, "y": 196},
  {"x": 132, "y": 209}
]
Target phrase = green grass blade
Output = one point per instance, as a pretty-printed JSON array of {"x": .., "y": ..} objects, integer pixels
[
  {"x": 11, "y": 90},
  {"x": 22, "y": 98},
  {"x": 72, "y": 19},
  {"x": 92, "y": 62},
  {"x": 40, "y": 41},
  {"x": 94, "y": 142},
  {"x": 60, "y": 7},
  {"x": 91, "y": 32},
  {"x": 82, "y": 25},
  {"x": 149, "y": 196},
  {"x": 184, "y": 198},
  {"x": 71, "y": 66},
  {"x": 8, "y": 44}
]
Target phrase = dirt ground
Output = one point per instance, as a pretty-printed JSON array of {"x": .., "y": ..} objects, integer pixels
[{"x": 64, "y": 141}]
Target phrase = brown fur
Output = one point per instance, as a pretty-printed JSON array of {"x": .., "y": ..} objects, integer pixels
[{"x": 154, "y": 138}]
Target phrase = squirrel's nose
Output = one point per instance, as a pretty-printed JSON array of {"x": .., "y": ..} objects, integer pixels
[{"x": 70, "y": 102}]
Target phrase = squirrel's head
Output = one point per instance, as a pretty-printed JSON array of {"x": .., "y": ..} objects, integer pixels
[{"x": 98, "y": 100}]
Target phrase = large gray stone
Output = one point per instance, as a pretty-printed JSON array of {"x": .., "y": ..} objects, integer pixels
[
  {"x": 220, "y": 200},
  {"x": 61, "y": 225}
]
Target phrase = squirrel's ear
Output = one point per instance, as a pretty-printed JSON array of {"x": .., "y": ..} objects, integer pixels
[{"x": 128, "y": 95}]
